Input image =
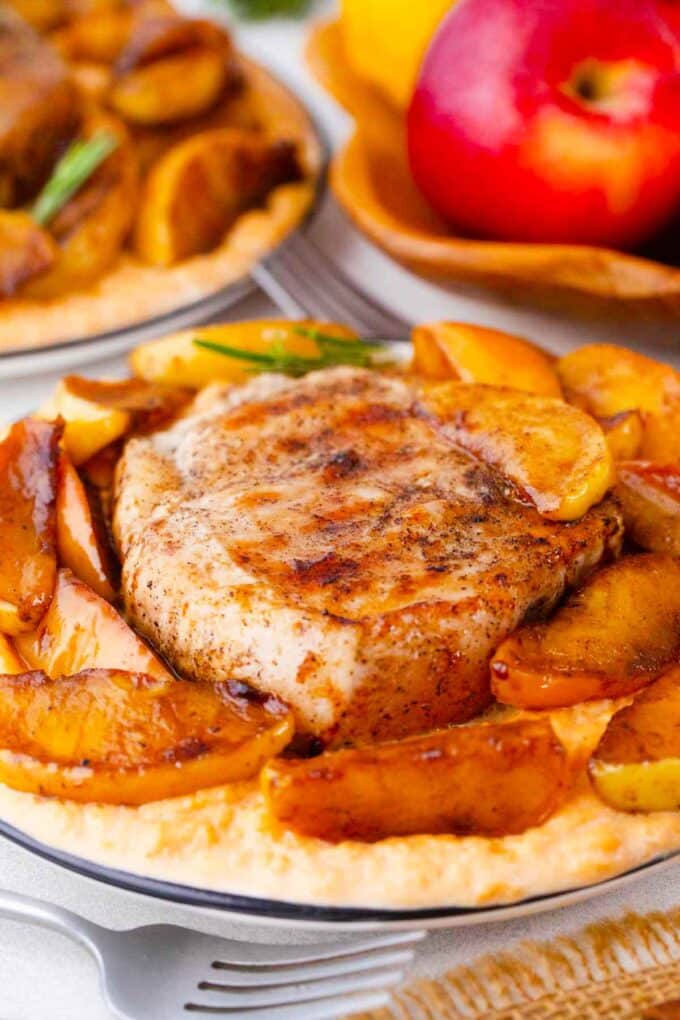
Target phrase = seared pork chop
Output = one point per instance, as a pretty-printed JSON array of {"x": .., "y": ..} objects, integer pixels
[{"x": 323, "y": 540}]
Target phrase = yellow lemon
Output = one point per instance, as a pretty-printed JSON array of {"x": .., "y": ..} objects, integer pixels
[{"x": 385, "y": 40}]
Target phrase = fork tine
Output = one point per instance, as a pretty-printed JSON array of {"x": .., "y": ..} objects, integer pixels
[
  {"x": 380, "y": 318},
  {"x": 310, "y": 295},
  {"x": 224, "y": 997},
  {"x": 302, "y": 281},
  {"x": 281, "y": 298},
  {"x": 245, "y": 977},
  {"x": 345, "y": 293},
  {"x": 273, "y": 956},
  {"x": 309, "y": 271},
  {"x": 327, "y": 1009}
]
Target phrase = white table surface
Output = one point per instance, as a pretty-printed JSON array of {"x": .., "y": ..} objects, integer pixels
[{"x": 42, "y": 976}]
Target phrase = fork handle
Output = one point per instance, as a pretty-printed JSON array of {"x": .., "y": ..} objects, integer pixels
[{"x": 16, "y": 907}]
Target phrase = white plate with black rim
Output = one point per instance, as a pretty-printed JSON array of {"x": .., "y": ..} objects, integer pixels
[{"x": 284, "y": 914}]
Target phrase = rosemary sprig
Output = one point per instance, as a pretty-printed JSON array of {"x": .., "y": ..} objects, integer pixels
[
  {"x": 76, "y": 166},
  {"x": 332, "y": 350},
  {"x": 258, "y": 10}
]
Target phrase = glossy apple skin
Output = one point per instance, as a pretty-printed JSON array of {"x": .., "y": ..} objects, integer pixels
[{"x": 504, "y": 147}]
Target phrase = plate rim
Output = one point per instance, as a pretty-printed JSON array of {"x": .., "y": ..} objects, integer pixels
[{"x": 259, "y": 909}]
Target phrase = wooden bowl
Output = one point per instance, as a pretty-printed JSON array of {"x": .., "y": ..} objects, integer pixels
[{"x": 371, "y": 179}]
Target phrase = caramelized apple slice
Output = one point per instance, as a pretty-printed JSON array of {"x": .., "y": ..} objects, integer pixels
[
  {"x": 99, "y": 474},
  {"x": 636, "y": 766},
  {"x": 483, "y": 779},
  {"x": 89, "y": 426},
  {"x": 26, "y": 250},
  {"x": 624, "y": 433},
  {"x": 661, "y": 435},
  {"x": 617, "y": 633},
  {"x": 555, "y": 453},
  {"x": 93, "y": 81},
  {"x": 473, "y": 354},
  {"x": 40, "y": 110},
  {"x": 10, "y": 661},
  {"x": 28, "y": 492},
  {"x": 649, "y": 495},
  {"x": 194, "y": 192},
  {"x": 173, "y": 89},
  {"x": 91, "y": 228},
  {"x": 126, "y": 738},
  {"x": 96, "y": 36},
  {"x": 606, "y": 380},
  {"x": 82, "y": 631},
  {"x": 176, "y": 360},
  {"x": 42, "y": 15},
  {"x": 81, "y": 545},
  {"x": 166, "y": 33},
  {"x": 100, "y": 470},
  {"x": 150, "y": 405}
]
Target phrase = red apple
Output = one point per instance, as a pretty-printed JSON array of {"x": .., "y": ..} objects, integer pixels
[{"x": 552, "y": 120}]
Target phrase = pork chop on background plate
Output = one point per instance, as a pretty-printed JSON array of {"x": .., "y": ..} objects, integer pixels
[{"x": 322, "y": 539}]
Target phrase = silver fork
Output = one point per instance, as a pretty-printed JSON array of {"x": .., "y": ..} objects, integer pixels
[
  {"x": 303, "y": 282},
  {"x": 164, "y": 972}
]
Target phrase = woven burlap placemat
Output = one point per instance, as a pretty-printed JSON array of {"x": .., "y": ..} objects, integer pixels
[{"x": 609, "y": 971}]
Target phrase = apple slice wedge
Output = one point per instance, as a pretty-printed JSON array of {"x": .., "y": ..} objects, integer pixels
[
  {"x": 81, "y": 545},
  {"x": 28, "y": 493},
  {"x": 177, "y": 360},
  {"x": 474, "y": 354},
  {"x": 649, "y": 495},
  {"x": 196, "y": 189},
  {"x": 82, "y": 631},
  {"x": 482, "y": 779},
  {"x": 98, "y": 412},
  {"x": 606, "y": 380},
  {"x": 610, "y": 638},
  {"x": 10, "y": 661},
  {"x": 623, "y": 432},
  {"x": 88, "y": 427},
  {"x": 556, "y": 455},
  {"x": 636, "y": 766},
  {"x": 127, "y": 738},
  {"x": 150, "y": 405}
]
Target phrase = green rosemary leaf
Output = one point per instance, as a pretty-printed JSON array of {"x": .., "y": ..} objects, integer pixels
[
  {"x": 76, "y": 166},
  {"x": 332, "y": 351},
  {"x": 258, "y": 10},
  {"x": 337, "y": 341},
  {"x": 235, "y": 352}
]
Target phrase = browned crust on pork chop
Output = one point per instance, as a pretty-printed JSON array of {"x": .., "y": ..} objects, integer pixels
[{"x": 321, "y": 539}]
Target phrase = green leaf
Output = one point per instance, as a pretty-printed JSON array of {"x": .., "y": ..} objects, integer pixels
[
  {"x": 332, "y": 351},
  {"x": 75, "y": 167},
  {"x": 258, "y": 10}
]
